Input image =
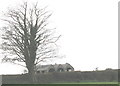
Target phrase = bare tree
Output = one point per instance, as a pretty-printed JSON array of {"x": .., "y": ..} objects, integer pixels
[{"x": 27, "y": 36}]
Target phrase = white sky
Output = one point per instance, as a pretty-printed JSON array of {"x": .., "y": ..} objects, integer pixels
[{"x": 89, "y": 30}]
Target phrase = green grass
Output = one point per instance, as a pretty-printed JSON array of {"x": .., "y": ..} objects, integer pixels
[
  {"x": 70, "y": 84},
  {"x": 89, "y": 83}
]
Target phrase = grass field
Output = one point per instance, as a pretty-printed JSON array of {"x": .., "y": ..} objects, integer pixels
[
  {"x": 91, "y": 83},
  {"x": 70, "y": 84}
]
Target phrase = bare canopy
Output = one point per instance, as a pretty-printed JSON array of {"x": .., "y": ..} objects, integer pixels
[{"x": 28, "y": 37}]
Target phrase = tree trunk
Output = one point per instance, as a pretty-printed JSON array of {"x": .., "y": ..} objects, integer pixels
[{"x": 31, "y": 74}]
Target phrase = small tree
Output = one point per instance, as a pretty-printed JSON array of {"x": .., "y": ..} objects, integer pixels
[{"x": 27, "y": 36}]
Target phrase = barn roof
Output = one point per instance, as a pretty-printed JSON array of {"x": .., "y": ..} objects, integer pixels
[{"x": 45, "y": 67}]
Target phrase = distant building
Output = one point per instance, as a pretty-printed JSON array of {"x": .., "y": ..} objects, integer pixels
[{"x": 54, "y": 68}]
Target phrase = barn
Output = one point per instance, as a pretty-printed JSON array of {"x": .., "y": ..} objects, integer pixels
[{"x": 54, "y": 68}]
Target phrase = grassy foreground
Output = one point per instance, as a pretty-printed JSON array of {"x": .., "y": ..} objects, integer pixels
[
  {"x": 90, "y": 83},
  {"x": 69, "y": 84}
]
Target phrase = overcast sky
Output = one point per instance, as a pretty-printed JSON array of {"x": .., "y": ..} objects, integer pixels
[{"x": 89, "y": 30}]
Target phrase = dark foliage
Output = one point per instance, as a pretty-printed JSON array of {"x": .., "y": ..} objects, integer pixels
[{"x": 64, "y": 77}]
